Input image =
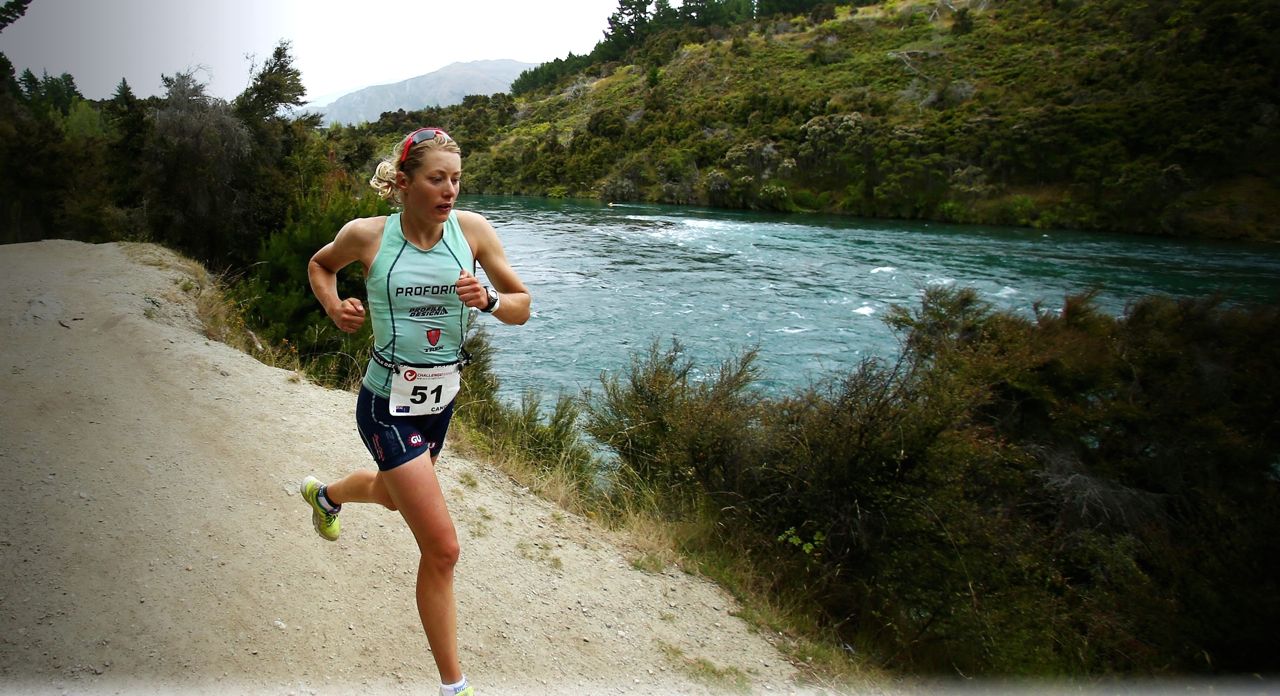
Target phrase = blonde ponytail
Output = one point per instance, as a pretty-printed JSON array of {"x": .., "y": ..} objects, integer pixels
[{"x": 384, "y": 182}]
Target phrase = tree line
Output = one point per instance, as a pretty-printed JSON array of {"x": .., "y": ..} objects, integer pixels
[{"x": 635, "y": 21}]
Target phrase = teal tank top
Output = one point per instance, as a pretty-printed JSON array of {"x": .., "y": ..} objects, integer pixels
[{"x": 413, "y": 301}]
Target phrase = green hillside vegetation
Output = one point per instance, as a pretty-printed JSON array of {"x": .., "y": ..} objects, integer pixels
[
  {"x": 1071, "y": 494},
  {"x": 1152, "y": 117}
]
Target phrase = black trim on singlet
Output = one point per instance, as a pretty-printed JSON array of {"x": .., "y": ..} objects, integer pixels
[
  {"x": 463, "y": 357},
  {"x": 391, "y": 308}
]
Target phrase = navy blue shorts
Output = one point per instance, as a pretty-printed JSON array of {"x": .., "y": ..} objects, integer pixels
[{"x": 394, "y": 440}]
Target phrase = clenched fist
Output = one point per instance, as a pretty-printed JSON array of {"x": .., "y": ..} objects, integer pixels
[
  {"x": 471, "y": 292},
  {"x": 349, "y": 315}
]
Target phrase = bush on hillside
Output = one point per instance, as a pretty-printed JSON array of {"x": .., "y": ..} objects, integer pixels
[{"x": 1069, "y": 494}]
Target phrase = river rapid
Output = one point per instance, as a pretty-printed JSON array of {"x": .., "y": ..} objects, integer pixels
[{"x": 809, "y": 291}]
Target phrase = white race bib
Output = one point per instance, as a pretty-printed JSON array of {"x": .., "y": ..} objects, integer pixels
[{"x": 424, "y": 391}]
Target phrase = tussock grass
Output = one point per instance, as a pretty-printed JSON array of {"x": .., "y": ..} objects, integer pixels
[
  {"x": 213, "y": 301},
  {"x": 705, "y": 671}
]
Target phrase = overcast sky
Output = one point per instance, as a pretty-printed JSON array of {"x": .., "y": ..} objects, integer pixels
[{"x": 339, "y": 45}]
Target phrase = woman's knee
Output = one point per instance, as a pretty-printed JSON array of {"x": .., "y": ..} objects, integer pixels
[{"x": 441, "y": 555}]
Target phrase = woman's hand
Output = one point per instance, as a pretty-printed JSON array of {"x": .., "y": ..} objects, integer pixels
[
  {"x": 471, "y": 292},
  {"x": 349, "y": 315}
]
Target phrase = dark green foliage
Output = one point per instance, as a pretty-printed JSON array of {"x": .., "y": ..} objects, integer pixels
[
  {"x": 766, "y": 8},
  {"x": 672, "y": 432},
  {"x": 1100, "y": 115},
  {"x": 196, "y": 150},
  {"x": 34, "y": 141},
  {"x": 278, "y": 168},
  {"x": 277, "y": 293},
  {"x": 275, "y": 86},
  {"x": 1069, "y": 495},
  {"x": 11, "y": 11},
  {"x": 127, "y": 120},
  {"x": 627, "y": 24},
  {"x": 549, "y": 73}
]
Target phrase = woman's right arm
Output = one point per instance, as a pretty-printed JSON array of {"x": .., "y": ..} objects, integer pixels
[{"x": 353, "y": 243}]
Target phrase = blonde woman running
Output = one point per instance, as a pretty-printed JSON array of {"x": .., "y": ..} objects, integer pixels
[{"x": 419, "y": 269}]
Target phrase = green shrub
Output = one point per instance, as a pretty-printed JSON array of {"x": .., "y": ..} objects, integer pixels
[
  {"x": 1074, "y": 493},
  {"x": 673, "y": 432}
]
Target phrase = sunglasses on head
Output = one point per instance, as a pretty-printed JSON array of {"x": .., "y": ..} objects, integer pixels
[{"x": 419, "y": 136}]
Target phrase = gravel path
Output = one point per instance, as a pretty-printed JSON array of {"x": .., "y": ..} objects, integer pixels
[{"x": 154, "y": 540}]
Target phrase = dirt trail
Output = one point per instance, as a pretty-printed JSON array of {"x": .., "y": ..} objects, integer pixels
[{"x": 154, "y": 541}]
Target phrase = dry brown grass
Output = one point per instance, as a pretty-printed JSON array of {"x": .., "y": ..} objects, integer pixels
[{"x": 208, "y": 298}]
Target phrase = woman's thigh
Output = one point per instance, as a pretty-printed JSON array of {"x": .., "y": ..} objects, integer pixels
[{"x": 415, "y": 490}]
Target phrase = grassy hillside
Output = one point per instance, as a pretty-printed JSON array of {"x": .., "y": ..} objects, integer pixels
[{"x": 1151, "y": 117}]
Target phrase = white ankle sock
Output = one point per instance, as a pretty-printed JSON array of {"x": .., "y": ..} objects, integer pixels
[
  {"x": 323, "y": 498},
  {"x": 451, "y": 689}
]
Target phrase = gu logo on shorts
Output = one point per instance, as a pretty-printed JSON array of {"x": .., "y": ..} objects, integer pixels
[
  {"x": 415, "y": 440},
  {"x": 410, "y": 375},
  {"x": 433, "y": 335}
]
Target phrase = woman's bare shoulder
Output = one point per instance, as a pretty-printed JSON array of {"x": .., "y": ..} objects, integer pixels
[
  {"x": 365, "y": 227},
  {"x": 361, "y": 233},
  {"x": 474, "y": 223}
]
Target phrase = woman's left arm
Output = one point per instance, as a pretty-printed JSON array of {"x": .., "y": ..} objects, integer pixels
[{"x": 513, "y": 296}]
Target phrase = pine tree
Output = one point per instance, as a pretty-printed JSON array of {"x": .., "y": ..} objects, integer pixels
[
  {"x": 627, "y": 25},
  {"x": 11, "y": 11},
  {"x": 127, "y": 121},
  {"x": 277, "y": 85}
]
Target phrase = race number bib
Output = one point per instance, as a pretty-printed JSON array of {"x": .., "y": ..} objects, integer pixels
[{"x": 424, "y": 391}]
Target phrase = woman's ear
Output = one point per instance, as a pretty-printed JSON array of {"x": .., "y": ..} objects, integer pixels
[{"x": 402, "y": 181}]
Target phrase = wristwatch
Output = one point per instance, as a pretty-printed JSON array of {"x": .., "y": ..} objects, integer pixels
[{"x": 493, "y": 301}]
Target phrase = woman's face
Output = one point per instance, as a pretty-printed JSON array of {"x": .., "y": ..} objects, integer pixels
[{"x": 433, "y": 188}]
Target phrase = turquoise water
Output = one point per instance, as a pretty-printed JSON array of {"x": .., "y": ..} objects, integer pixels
[{"x": 809, "y": 291}]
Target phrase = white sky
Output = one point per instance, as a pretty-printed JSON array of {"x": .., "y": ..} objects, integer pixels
[{"x": 339, "y": 46}]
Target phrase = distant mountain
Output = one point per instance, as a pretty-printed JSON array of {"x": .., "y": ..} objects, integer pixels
[{"x": 444, "y": 87}]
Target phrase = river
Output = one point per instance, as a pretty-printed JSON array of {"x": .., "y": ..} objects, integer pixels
[{"x": 810, "y": 291}]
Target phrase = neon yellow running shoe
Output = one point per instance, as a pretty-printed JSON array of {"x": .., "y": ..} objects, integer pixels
[
  {"x": 457, "y": 690},
  {"x": 326, "y": 524}
]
